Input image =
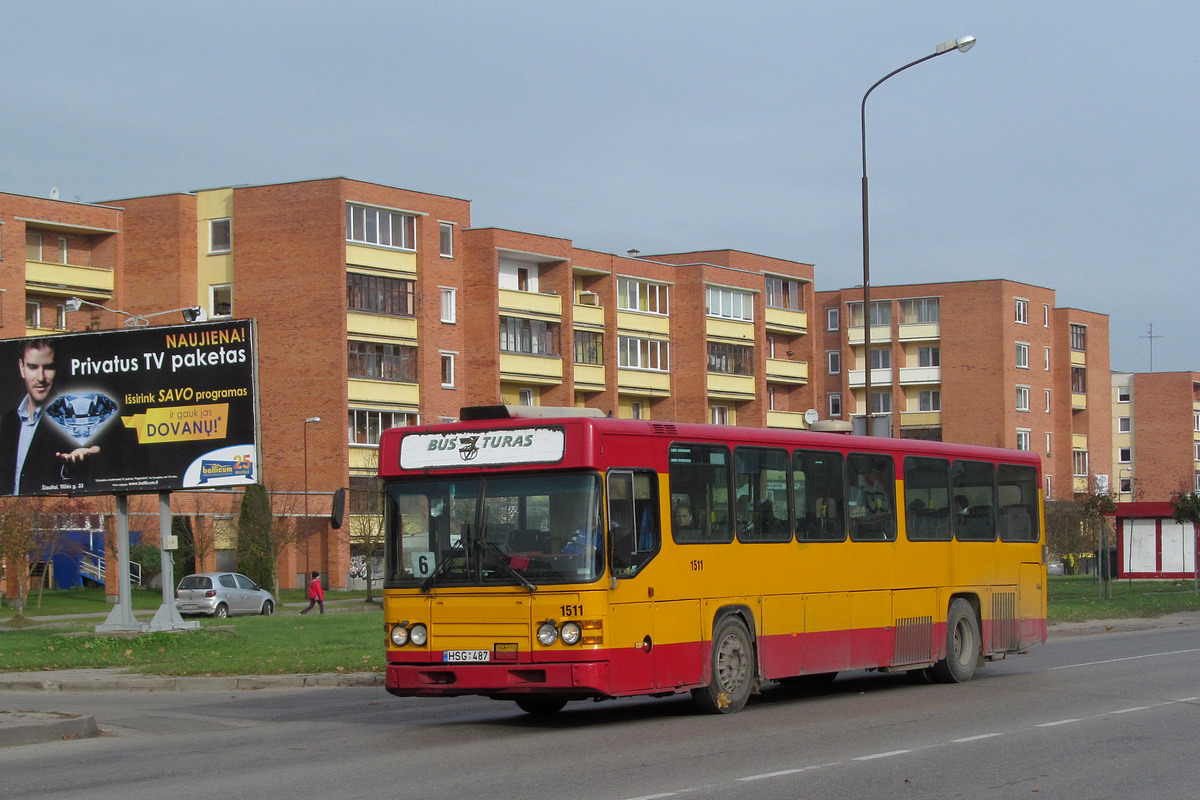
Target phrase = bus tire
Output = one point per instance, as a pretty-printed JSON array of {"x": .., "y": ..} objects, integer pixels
[
  {"x": 732, "y": 670},
  {"x": 541, "y": 705},
  {"x": 963, "y": 643}
]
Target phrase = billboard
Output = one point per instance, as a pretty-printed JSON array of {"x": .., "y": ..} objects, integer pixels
[{"x": 133, "y": 411}]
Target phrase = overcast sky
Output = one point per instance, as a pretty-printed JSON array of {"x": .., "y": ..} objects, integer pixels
[{"x": 1063, "y": 150}]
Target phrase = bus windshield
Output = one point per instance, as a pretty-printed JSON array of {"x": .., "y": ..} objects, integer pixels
[{"x": 494, "y": 530}]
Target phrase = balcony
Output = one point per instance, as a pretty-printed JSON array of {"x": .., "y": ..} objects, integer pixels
[
  {"x": 730, "y": 330},
  {"x": 90, "y": 283},
  {"x": 648, "y": 382},
  {"x": 879, "y": 378},
  {"x": 589, "y": 377},
  {"x": 916, "y": 375},
  {"x": 637, "y": 322},
  {"x": 381, "y": 325},
  {"x": 589, "y": 315},
  {"x": 920, "y": 419},
  {"x": 526, "y": 303},
  {"x": 731, "y": 387},
  {"x": 785, "y": 320},
  {"x": 786, "y": 419},
  {"x": 1078, "y": 401},
  {"x": 781, "y": 370},
  {"x": 879, "y": 334},
  {"x": 382, "y": 258},
  {"x": 384, "y": 392},
  {"x": 1078, "y": 358},
  {"x": 546, "y": 370},
  {"x": 916, "y": 331}
]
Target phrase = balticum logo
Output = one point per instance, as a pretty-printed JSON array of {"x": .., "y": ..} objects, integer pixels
[{"x": 240, "y": 467}]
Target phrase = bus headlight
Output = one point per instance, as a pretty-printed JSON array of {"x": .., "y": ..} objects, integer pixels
[
  {"x": 399, "y": 635},
  {"x": 571, "y": 633},
  {"x": 547, "y": 634},
  {"x": 418, "y": 634}
]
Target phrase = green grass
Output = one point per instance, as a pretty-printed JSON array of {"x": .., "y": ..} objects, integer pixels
[
  {"x": 353, "y": 641},
  {"x": 1076, "y": 598}
]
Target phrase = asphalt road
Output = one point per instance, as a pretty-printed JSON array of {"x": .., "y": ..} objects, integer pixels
[{"x": 1083, "y": 717}]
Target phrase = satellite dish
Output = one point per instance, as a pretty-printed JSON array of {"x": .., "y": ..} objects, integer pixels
[
  {"x": 53, "y": 192},
  {"x": 811, "y": 416}
]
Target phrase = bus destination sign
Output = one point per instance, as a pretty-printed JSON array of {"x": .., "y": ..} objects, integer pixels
[{"x": 482, "y": 448}]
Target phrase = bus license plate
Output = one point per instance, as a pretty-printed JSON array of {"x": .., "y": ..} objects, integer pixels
[{"x": 461, "y": 656}]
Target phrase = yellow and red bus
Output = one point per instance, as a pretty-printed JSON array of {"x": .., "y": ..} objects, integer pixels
[{"x": 548, "y": 555}]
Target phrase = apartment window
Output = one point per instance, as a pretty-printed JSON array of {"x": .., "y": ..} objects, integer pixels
[
  {"x": 589, "y": 347},
  {"x": 1079, "y": 337},
  {"x": 1022, "y": 355},
  {"x": 525, "y": 397},
  {"x": 635, "y": 409},
  {"x": 730, "y": 359},
  {"x": 881, "y": 313},
  {"x": 449, "y": 304},
  {"x": 1196, "y": 422},
  {"x": 33, "y": 314},
  {"x": 1123, "y": 394},
  {"x": 33, "y": 247},
  {"x": 1049, "y": 438},
  {"x": 719, "y": 415},
  {"x": 378, "y": 295},
  {"x": 771, "y": 398},
  {"x": 1124, "y": 424},
  {"x": 881, "y": 358},
  {"x": 1047, "y": 350},
  {"x": 929, "y": 356},
  {"x": 636, "y": 353},
  {"x": 919, "y": 310},
  {"x": 784, "y": 293},
  {"x": 220, "y": 300},
  {"x": 929, "y": 400},
  {"x": 378, "y": 226},
  {"x": 729, "y": 303},
  {"x": 1079, "y": 380},
  {"x": 635, "y": 295},
  {"x": 834, "y": 358},
  {"x": 447, "y": 370},
  {"x": 1023, "y": 439},
  {"x": 528, "y": 336},
  {"x": 1124, "y": 455},
  {"x": 1047, "y": 401},
  {"x": 446, "y": 247},
  {"x": 220, "y": 235},
  {"x": 1045, "y": 315},
  {"x": 1022, "y": 398},
  {"x": 382, "y": 362},
  {"x": 63, "y": 249},
  {"x": 832, "y": 319},
  {"x": 881, "y": 402},
  {"x": 1126, "y": 485},
  {"x": 367, "y": 424},
  {"x": 835, "y": 405},
  {"x": 1079, "y": 463},
  {"x": 1022, "y": 311},
  {"x": 1197, "y": 445}
]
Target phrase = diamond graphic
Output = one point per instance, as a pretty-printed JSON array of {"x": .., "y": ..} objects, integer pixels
[{"x": 81, "y": 415}]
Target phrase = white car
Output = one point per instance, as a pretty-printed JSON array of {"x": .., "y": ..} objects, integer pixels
[{"x": 222, "y": 594}]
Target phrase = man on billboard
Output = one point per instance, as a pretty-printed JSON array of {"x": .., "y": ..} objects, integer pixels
[{"x": 34, "y": 452}]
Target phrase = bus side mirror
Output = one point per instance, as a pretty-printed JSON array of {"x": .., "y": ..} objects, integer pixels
[{"x": 338, "y": 514}]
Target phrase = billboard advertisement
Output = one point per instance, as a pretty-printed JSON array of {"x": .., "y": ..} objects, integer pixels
[{"x": 133, "y": 411}]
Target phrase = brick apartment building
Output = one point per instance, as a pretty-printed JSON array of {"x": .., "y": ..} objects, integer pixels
[
  {"x": 1156, "y": 435},
  {"x": 380, "y": 307},
  {"x": 989, "y": 362}
]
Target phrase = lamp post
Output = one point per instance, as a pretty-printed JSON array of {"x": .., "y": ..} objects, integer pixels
[
  {"x": 307, "y": 422},
  {"x": 962, "y": 45}
]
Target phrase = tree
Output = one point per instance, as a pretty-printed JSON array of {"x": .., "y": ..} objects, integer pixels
[
  {"x": 30, "y": 535},
  {"x": 367, "y": 527},
  {"x": 1185, "y": 508},
  {"x": 268, "y": 523}
]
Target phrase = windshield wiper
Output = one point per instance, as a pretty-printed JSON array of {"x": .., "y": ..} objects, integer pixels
[
  {"x": 443, "y": 566},
  {"x": 508, "y": 567}
]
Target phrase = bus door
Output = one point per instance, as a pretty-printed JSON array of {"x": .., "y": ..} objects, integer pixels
[{"x": 639, "y": 621}]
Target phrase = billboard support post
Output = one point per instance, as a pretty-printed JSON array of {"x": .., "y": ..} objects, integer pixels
[
  {"x": 121, "y": 618},
  {"x": 167, "y": 617}
]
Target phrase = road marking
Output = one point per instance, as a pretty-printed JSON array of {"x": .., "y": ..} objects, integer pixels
[
  {"x": 1128, "y": 710},
  {"x": 975, "y": 738},
  {"x": 1127, "y": 658},
  {"x": 1056, "y": 723},
  {"x": 888, "y": 754}
]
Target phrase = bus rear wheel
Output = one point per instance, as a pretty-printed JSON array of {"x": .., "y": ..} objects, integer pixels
[
  {"x": 732, "y": 670},
  {"x": 963, "y": 643},
  {"x": 535, "y": 704}
]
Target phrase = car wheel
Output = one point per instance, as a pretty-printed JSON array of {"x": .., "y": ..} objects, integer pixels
[
  {"x": 222, "y": 611},
  {"x": 268, "y": 608}
]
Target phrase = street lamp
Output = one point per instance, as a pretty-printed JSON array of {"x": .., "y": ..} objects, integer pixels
[
  {"x": 962, "y": 45},
  {"x": 307, "y": 422},
  {"x": 189, "y": 313}
]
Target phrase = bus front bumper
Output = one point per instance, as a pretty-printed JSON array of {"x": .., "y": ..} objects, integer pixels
[{"x": 582, "y": 678}]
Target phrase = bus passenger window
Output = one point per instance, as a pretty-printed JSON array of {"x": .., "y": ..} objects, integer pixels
[
  {"x": 927, "y": 499},
  {"x": 871, "y": 497},
  {"x": 632, "y": 519},
  {"x": 700, "y": 478},
  {"x": 975, "y": 483},
  {"x": 1017, "y": 490},
  {"x": 817, "y": 495}
]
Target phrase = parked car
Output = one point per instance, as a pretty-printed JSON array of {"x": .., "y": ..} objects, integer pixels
[{"x": 222, "y": 594}]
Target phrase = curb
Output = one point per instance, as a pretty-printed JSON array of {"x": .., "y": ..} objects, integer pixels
[
  {"x": 113, "y": 680},
  {"x": 33, "y": 727}
]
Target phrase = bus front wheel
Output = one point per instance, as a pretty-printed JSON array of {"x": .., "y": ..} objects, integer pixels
[
  {"x": 732, "y": 670},
  {"x": 962, "y": 644}
]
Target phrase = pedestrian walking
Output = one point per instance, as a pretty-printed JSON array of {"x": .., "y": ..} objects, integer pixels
[{"x": 316, "y": 594}]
